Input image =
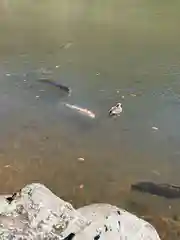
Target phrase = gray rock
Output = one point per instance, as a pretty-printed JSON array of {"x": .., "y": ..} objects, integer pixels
[{"x": 36, "y": 213}]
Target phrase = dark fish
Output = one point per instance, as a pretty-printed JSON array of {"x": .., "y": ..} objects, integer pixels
[
  {"x": 163, "y": 190},
  {"x": 55, "y": 84}
]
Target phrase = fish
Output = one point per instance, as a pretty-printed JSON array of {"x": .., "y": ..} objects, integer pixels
[
  {"x": 81, "y": 110},
  {"x": 55, "y": 84},
  {"x": 162, "y": 190}
]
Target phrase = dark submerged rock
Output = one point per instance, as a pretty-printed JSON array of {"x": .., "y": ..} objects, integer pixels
[{"x": 163, "y": 190}]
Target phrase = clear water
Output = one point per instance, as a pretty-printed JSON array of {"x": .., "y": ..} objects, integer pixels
[{"x": 103, "y": 50}]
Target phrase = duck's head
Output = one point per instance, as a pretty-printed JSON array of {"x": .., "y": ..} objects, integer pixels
[{"x": 118, "y": 105}]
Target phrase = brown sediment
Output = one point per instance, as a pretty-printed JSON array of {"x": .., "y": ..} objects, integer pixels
[{"x": 167, "y": 228}]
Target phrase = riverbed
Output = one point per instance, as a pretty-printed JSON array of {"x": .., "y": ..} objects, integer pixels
[{"x": 106, "y": 52}]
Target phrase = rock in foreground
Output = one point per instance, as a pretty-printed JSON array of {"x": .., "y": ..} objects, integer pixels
[{"x": 35, "y": 213}]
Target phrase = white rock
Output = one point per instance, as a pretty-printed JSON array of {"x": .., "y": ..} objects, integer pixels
[
  {"x": 110, "y": 222},
  {"x": 35, "y": 213}
]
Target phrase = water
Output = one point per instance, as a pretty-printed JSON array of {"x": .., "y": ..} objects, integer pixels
[{"x": 103, "y": 50}]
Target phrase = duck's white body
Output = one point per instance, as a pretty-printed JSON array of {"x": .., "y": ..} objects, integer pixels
[{"x": 116, "y": 110}]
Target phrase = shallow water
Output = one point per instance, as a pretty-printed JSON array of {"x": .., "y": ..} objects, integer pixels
[{"x": 103, "y": 50}]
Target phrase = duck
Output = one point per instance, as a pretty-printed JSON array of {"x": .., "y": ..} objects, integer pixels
[{"x": 116, "y": 110}]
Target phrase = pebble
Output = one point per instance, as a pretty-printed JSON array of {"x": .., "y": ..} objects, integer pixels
[
  {"x": 155, "y": 128},
  {"x": 122, "y": 97},
  {"x": 37, "y": 97},
  {"x": 7, "y": 166},
  {"x": 8, "y": 74},
  {"x": 98, "y": 73},
  {"x": 156, "y": 172},
  {"x": 67, "y": 45},
  {"x": 81, "y": 186},
  {"x": 57, "y": 66},
  {"x": 80, "y": 159},
  {"x": 24, "y": 80},
  {"x": 133, "y": 95}
]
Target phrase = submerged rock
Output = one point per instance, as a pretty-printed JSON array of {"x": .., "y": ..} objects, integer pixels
[
  {"x": 163, "y": 190},
  {"x": 36, "y": 213}
]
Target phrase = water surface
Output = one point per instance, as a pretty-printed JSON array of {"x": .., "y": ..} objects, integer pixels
[{"x": 103, "y": 50}]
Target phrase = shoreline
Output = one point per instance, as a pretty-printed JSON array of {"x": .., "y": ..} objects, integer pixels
[{"x": 168, "y": 227}]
